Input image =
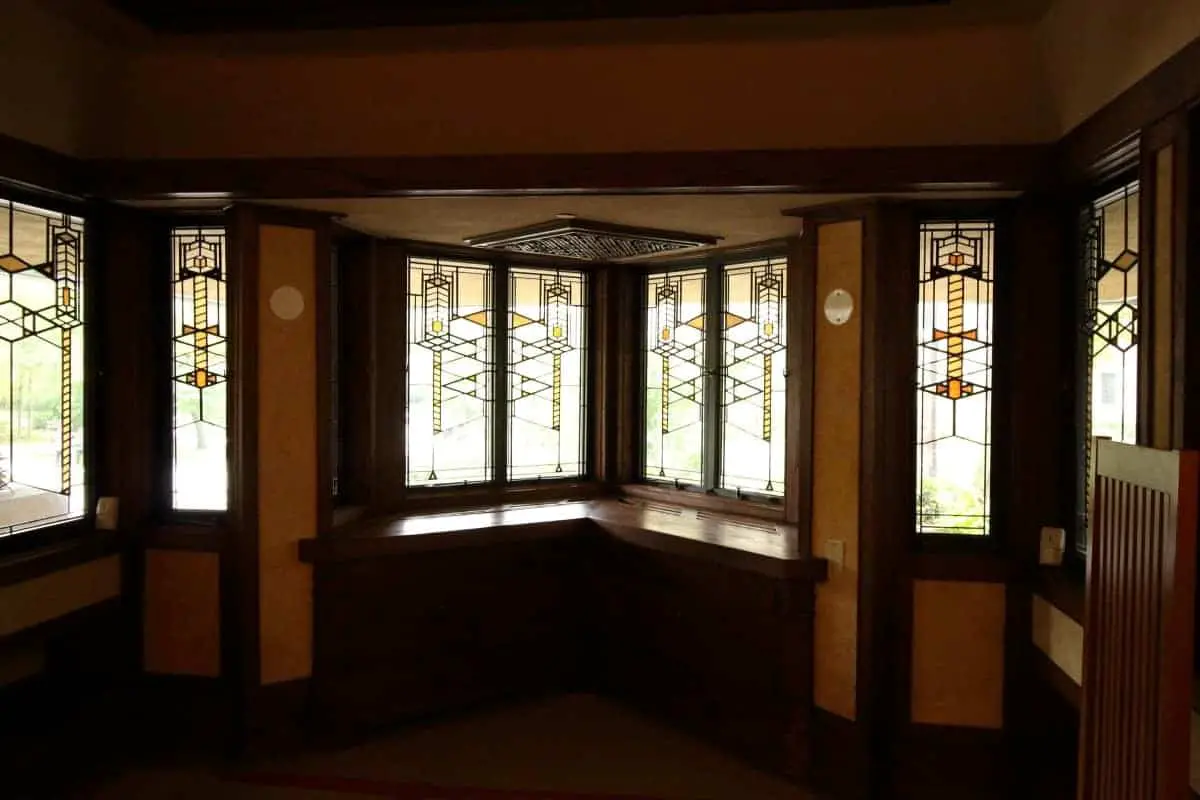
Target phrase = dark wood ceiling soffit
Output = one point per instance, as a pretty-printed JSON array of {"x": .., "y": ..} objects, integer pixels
[
  {"x": 588, "y": 240},
  {"x": 226, "y": 16}
]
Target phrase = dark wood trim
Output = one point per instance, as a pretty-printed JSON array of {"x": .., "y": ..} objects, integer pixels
[
  {"x": 323, "y": 271},
  {"x": 841, "y": 757},
  {"x": 389, "y": 369},
  {"x": 833, "y": 170},
  {"x": 801, "y": 382},
  {"x": 193, "y": 538},
  {"x": 43, "y": 561},
  {"x": 731, "y": 254},
  {"x": 280, "y": 722},
  {"x": 888, "y": 473},
  {"x": 1063, "y": 590},
  {"x": 625, "y": 395},
  {"x": 1051, "y": 674},
  {"x": 1147, "y": 175},
  {"x": 240, "y": 631},
  {"x": 967, "y": 567},
  {"x": 39, "y": 169},
  {"x": 601, "y": 371},
  {"x": 356, "y": 464},
  {"x": 1173, "y": 85},
  {"x": 1186, "y": 336},
  {"x": 483, "y": 255},
  {"x": 936, "y": 762}
]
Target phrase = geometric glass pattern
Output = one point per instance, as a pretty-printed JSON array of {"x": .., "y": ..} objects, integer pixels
[
  {"x": 41, "y": 366},
  {"x": 675, "y": 375},
  {"x": 547, "y": 334},
  {"x": 954, "y": 377},
  {"x": 1110, "y": 331},
  {"x": 754, "y": 356},
  {"x": 451, "y": 366},
  {"x": 199, "y": 385}
]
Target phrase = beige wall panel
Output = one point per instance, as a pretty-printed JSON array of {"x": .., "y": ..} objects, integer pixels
[
  {"x": 837, "y": 435},
  {"x": 24, "y": 605},
  {"x": 1163, "y": 316},
  {"x": 958, "y": 654},
  {"x": 287, "y": 452},
  {"x": 182, "y": 613},
  {"x": 1096, "y": 49},
  {"x": 1059, "y": 637},
  {"x": 774, "y": 90}
]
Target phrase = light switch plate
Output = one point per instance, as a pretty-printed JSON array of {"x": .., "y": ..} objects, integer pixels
[{"x": 1053, "y": 542}]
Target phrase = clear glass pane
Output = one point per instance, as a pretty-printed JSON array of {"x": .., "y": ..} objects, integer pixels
[
  {"x": 954, "y": 376},
  {"x": 547, "y": 329},
  {"x": 200, "y": 389},
  {"x": 1114, "y": 317},
  {"x": 675, "y": 352},
  {"x": 41, "y": 367},
  {"x": 451, "y": 342},
  {"x": 754, "y": 358}
]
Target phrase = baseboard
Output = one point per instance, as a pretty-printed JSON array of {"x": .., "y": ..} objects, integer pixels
[
  {"x": 841, "y": 757},
  {"x": 278, "y": 719},
  {"x": 936, "y": 762}
]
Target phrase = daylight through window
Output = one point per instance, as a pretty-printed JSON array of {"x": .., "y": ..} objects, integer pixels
[
  {"x": 954, "y": 377},
  {"x": 42, "y": 314},
  {"x": 200, "y": 389}
]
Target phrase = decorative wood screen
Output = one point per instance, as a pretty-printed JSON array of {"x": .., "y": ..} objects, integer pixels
[{"x": 1137, "y": 678}]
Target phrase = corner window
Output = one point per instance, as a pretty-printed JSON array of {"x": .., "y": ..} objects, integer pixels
[
  {"x": 496, "y": 373},
  {"x": 42, "y": 322},
  {"x": 715, "y": 389},
  {"x": 1109, "y": 335},
  {"x": 954, "y": 377}
]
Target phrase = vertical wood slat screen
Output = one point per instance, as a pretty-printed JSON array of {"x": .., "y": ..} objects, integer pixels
[{"x": 1138, "y": 628}]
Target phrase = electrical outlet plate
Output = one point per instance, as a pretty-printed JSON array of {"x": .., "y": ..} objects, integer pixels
[
  {"x": 835, "y": 552},
  {"x": 1053, "y": 542}
]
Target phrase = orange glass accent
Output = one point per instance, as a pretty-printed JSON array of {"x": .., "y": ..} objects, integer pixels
[
  {"x": 769, "y": 329},
  {"x": 201, "y": 378},
  {"x": 66, "y": 296},
  {"x": 666, "y": 334},
  {"x": 436, "y": 326},
  {"x": 557, "y": 332},
  {"x": 957, "y": 259}
]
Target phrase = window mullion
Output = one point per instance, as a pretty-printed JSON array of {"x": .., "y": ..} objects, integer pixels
[
  {"x": 712, "y": 381},
  {"x": 500, "y": 382}
]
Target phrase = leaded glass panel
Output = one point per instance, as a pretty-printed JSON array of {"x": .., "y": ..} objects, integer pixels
[
  {"x": 754, "y": 356},
  {"x": 451, "y": 365},
  {"x": 200, "y": 388},
  {"x": 547, "y": 340},
  {"x": 954, "y": 377},
  {"x": 675, "y": 375},
  {"x": 42, "y": 265}
]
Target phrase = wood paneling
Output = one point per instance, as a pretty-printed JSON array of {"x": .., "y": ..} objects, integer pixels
[
  {"x": 1162, "y": 306},
  {"x": 835, "y": 491},
  {"x": 182, "y": 613},
  {"x": 958, "y": 654},
  {"x": 1137, "y": 674}
]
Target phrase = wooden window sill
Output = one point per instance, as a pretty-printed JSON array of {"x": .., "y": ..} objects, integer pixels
[
  {"x": 704, "y": 502},
  {"x": 769, "y": 548},
  {"x": 40, "y": 561},
  {"x": 1064, "y": 588}
]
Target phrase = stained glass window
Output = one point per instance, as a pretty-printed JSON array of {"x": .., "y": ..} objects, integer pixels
[
  {"x": 200, "y": 389},
  {"x": 451, "y": 364},
  {"x": 954, "y": 377},
  {"x": 547, "y": 335},
  {"x": 754, "y": 343},
  {"x": 1110, "y": 330},
  {"x": 42, "y": 315},
  {"x": 675, "y": 375}
]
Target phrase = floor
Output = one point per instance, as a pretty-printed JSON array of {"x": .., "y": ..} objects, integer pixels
[{"x": 572, "y": 747}]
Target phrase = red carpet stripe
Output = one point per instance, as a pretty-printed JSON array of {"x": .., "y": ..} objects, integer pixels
[{"x": 416, "y": 791}]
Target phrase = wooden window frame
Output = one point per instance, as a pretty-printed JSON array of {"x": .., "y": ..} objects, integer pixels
[
  {"x": 55, "y": 533},
  {"x": 161, "y": 323},
  {"x": 1002, "y": 215},
  {"x": 708, "y": 497}
]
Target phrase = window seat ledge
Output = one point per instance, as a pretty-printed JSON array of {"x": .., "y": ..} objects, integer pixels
[
  {"x": 757, "y": 546},
  {"x": 41, "y": 561}
]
